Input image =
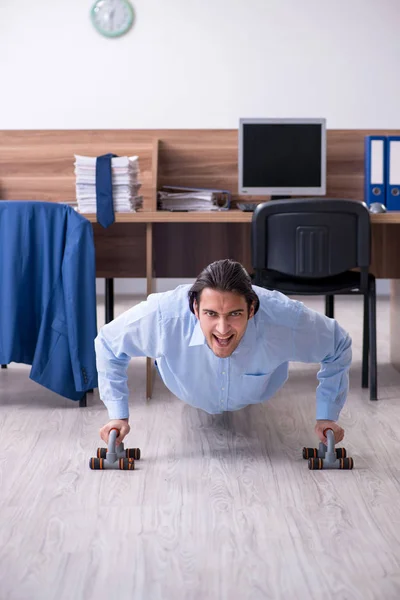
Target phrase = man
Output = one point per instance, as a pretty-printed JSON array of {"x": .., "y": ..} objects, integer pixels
[{"x": 222, "y": 344}]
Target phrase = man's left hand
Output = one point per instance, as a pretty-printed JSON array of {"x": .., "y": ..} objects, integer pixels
[{"x": 321, "y": 426}]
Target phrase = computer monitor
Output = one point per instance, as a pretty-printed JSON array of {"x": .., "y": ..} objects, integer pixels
[{"x": 282, "y": 157}]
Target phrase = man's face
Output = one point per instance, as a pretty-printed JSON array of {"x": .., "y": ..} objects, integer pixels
[{"x": 223, "y": 319}]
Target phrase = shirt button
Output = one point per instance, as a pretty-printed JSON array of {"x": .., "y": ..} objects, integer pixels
[
  {"x": 223, "y": 372},
  {"x": 222, "y": 389}
]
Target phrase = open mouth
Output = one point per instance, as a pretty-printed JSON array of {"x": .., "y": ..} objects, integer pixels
[{"x": 223, "y": 342}]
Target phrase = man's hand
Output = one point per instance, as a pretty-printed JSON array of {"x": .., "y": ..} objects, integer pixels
[
  {"x": 337, "y": 430},
  {"x": 121, "y": 424}
]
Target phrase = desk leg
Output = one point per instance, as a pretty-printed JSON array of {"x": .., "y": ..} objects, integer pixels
[
  {"x": 149, "y": 277},
  {"x": 109, "y": 303},
  {"x": 149, "y": 378},
  {"x": 395, "y": 323}
]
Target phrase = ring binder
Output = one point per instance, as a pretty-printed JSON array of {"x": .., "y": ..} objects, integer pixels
[
  {"x": 393, "y": 173},
  {"x": 375, "y": 169}
]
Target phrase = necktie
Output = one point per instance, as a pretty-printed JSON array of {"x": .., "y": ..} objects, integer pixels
[{"x": 104, "y": 195}]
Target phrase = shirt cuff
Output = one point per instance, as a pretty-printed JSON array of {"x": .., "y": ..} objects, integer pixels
[
  {"x": 117, "y": 412},
  {"x": 327, "y": 413}
]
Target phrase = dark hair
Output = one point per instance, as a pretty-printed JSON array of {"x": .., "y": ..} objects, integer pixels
[{"x": 225, "y": 276}]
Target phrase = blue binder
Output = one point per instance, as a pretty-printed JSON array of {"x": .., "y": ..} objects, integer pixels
[
  {"x": 393, "y": 172},
  {"x": 375, "y": 169}
]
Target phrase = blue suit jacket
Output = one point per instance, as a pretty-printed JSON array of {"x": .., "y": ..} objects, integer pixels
[{"x": 48, "y": 295}]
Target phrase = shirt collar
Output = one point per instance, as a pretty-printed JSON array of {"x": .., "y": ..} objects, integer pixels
[{"x": 197, "y": 338}]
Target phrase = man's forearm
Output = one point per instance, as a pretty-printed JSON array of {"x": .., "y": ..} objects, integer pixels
[
  {"x": 112, "y": 379},
  {"x": 334, "y": 381}
]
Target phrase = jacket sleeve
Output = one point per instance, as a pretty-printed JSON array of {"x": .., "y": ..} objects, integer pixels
[
  {"x": 319, "y": 339},
  {"x": 79, "y": 286},
  {"x": 135, "y": 333}
]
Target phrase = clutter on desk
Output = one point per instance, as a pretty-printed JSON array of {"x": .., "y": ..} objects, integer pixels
[
  {"x": 125, "y": 173},
  {"x": 247, "y": 206},
  {"x": 177, "y": 198}
]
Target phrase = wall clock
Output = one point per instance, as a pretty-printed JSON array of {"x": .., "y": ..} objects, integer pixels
[{"x": 112, "y": 18}]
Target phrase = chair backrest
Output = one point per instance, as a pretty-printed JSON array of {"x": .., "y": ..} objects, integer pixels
[{"x": 311, "y": 238}]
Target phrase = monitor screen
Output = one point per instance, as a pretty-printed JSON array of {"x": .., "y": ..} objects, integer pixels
[{"x": 282, "y": 156}]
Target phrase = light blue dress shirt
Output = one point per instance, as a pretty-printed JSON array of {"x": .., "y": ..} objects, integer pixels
[{"x": 283, "y": 330}]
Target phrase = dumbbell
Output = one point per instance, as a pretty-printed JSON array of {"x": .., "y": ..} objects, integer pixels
[
  {"x": 327, "y": 457},
  {"x": 113, "y": 459}
]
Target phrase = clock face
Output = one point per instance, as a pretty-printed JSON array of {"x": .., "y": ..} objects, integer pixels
[{"x": 112, "y": 17}]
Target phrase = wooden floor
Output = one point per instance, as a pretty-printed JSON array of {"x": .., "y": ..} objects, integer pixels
[{"x": 221, "y": 507}]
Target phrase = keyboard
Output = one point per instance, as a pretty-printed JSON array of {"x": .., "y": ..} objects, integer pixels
[{"x": 247, "y": 206}]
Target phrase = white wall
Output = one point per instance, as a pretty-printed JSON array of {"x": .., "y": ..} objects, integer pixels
[{"x": 200, "y": 64}]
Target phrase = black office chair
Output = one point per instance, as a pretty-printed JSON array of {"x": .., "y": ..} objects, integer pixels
[{"x": 308, "y": 247}]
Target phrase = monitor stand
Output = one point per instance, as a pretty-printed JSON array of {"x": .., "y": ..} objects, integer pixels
[{"x": 280, "y": 197}]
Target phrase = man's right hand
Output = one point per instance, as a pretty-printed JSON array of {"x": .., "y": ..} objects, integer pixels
[
  {"x": 322, "y": 426},
  {"x": 121, "y": 424}
]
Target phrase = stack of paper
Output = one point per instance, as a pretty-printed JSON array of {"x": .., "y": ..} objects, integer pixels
[
  {"x": 178, "y": 198},
  {"x": 125, "y": 183}
]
